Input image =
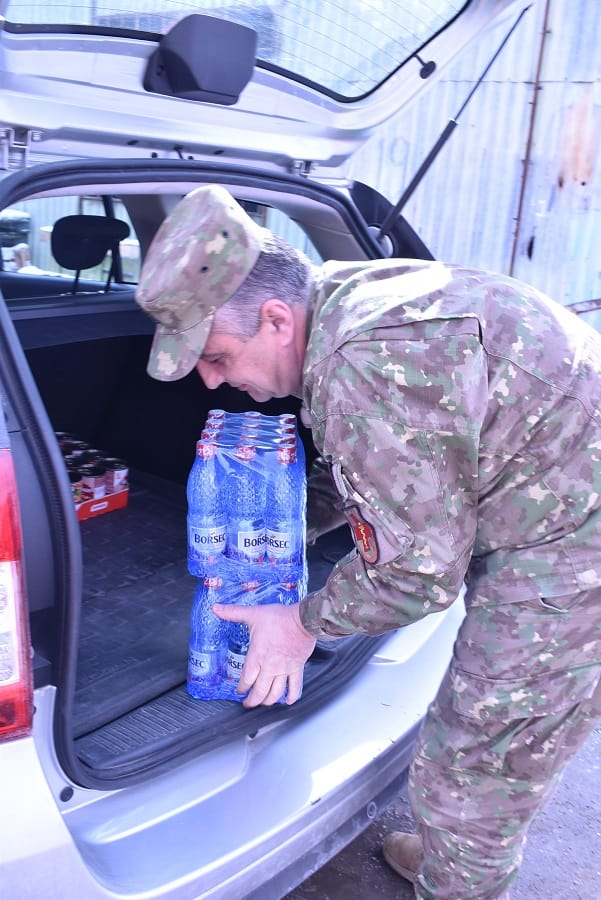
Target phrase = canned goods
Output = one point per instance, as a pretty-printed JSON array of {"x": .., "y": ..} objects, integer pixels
[
  {"x": 117, "y": 475},
  {"x": 91, "y": 455},
  {"x": 93, "y": 485},
  {"x": 63, "y": 436},
  {"x": 67, "y": 449},
  {"x": 78, "y": 447},
  {"x": 76, "y": 484}
]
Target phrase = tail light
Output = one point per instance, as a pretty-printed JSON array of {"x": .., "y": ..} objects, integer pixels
[{"x": 16, "y": 697}]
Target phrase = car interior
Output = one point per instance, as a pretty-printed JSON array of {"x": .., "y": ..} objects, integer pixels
[{"x": 121, "y": 683}]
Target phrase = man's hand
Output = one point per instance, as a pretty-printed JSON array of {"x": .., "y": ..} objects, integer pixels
[{"x": 279, "y": 648}]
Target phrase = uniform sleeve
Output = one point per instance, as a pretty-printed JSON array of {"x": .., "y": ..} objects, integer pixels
[{"x": 401, "y": 433}]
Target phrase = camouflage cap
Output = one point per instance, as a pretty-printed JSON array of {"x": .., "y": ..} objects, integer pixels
[{"x": 198, "y": 259}]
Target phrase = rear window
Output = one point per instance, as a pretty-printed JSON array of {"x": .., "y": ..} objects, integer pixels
[
  {"x": 28, "y": 251},
  {"x": 26, "y": 231},
  {"x": 343, "y": 49}
]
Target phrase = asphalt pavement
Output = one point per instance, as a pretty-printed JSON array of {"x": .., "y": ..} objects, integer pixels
[{"x": 562, "y": 857}]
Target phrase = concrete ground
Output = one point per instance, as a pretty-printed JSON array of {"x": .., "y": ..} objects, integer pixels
[{"x": 562, "y": 858}]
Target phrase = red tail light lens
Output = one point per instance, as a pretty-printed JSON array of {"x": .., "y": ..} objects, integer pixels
[{"x": 16, "y": 692}]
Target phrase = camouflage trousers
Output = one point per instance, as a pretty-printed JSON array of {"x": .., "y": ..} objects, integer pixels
[{"x": 506, "y": 720}]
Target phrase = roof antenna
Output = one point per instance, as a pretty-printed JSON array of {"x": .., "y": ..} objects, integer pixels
[{"x": 448, "y": 130}]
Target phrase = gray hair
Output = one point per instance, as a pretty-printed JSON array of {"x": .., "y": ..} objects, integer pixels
[{"x": 282, "y": 272}]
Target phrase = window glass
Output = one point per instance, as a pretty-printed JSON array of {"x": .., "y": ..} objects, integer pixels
[
  {"x": 25, "y": 233},
  {"x": 26, "y": 229},
  {"x": 282, "y": 225},
  {"x": 344, "y": 48}
]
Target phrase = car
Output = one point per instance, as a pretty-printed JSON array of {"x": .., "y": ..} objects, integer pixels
[{"x": 114, "y": 781}]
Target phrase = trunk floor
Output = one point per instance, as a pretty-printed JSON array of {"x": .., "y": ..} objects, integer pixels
[{"x": 134, "y": 626}]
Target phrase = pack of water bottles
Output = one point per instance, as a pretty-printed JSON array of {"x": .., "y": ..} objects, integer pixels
[{"x": 246, "y": 528}]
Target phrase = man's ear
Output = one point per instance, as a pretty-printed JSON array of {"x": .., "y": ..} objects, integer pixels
[{"x": 277, "y": 316}]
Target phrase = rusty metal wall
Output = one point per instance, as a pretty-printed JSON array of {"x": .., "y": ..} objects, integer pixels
[{"x": 518, "y": 187}]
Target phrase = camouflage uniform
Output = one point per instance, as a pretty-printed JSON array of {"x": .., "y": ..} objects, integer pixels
[{"x": 459, "y": 414}]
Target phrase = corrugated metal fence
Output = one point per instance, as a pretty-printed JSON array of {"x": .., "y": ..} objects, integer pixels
[{"x": 517, "y": 189}]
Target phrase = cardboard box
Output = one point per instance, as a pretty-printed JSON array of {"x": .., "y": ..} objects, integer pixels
[{"x": 98, "y": 507}]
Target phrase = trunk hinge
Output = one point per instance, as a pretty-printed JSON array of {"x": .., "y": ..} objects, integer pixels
[
  {"x": 15, "y": 145},
  {"x": 301, "y": 167}
]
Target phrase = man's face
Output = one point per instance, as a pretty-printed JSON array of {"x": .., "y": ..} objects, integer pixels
[{"x": 265, "y": 366}]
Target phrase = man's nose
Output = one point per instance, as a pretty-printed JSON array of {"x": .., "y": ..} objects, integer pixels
[{"x": 211, "y": 378}]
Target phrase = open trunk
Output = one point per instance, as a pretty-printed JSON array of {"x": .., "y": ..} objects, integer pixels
[
  {"x": 146, "y": 785},
  {"x": 124, "y": 706}
]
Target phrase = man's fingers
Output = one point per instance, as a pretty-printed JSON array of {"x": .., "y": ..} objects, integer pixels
[
  {"x": 231, "y": 612},
  {"x": 276, "y": 692},
  {"x": 266, "y": 691},
  {"x": 248, "y": 676}
]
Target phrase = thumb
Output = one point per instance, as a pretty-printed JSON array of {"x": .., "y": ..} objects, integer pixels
[{"x": 231, "y": 612}]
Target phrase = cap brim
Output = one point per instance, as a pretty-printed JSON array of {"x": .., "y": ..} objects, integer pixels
[{"x": 174, "y": 354}]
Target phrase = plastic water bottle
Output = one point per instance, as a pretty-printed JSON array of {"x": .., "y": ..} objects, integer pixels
[
  {"x": 208, "y": 642},
  {"x": 206, "y": 510},
  {"x": 287, "y": 593},
  {"x": 286, "y": 426},
  {"x": 286, "y": 495},
  {"x": 246, "y": 508},
  {"x": 246, "y": 538},
  {"x": 239, "y": 636}
]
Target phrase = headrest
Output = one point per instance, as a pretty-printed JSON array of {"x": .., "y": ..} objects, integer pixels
[{"x": 82, "y": 242}]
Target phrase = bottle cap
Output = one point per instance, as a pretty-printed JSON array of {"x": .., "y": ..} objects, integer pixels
[
  {"x": 286, "y": 449},
  {"x": 250, "y": 585},
  {"x": 205, "y": 448},
  {"x": 213, "y": 581},
  {"x": 246, "y": 452}
]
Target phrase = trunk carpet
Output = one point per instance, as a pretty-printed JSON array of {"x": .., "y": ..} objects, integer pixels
[{"x": 137, "y": 596}]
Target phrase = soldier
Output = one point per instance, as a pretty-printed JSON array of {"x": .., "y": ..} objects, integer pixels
[{"x": 459, "y": 414}]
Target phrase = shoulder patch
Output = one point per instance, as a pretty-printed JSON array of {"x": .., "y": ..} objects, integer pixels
[{"x": 364, "y": 537}]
